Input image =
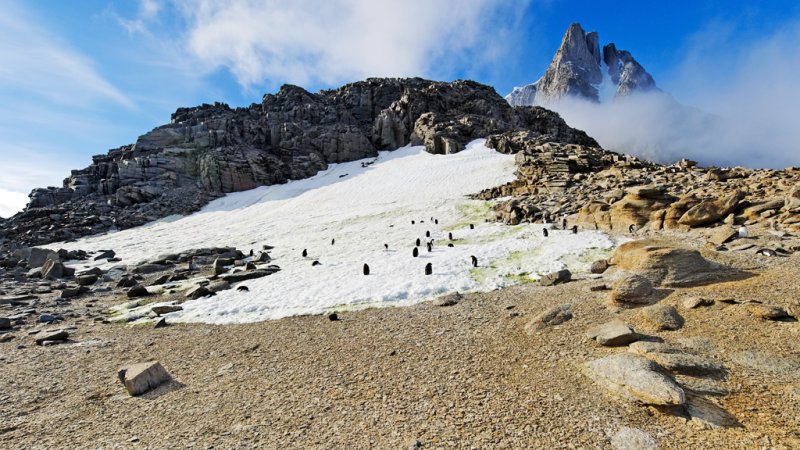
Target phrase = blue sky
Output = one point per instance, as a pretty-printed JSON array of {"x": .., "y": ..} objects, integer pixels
[{"x": 79, "y": 78}]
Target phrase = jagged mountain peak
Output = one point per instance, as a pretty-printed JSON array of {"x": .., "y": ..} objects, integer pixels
[{"x": 577, "y": 70}]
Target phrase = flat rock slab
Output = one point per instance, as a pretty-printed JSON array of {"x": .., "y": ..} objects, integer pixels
[
  {"x": 632, "y": 289},
  {"x": 633, "y": 439},
  {"x": 696, "y": 302},
  {"x": 166, "y": 309},
  {"x": 688, "y": 364},
  {"x": 243, "y": 276},
  {"x": 635, "y": 378},
  {"x": 52, "y": 336},
  {"x": 554, "y": 278},
  {"x": 613, "y": 333},
  {"x": 768, "y": 363},
  {"x": 767, "y": 312},
  {"x": 553, "y": 316},
  {"x": 707, "y": 414},
  {"x": 141, "y": 378}
]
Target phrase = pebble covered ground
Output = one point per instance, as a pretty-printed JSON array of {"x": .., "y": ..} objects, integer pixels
[{"x": 462, "y": 376}]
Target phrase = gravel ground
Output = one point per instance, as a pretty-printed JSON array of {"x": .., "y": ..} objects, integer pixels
[{"x": 464, "y": 376}]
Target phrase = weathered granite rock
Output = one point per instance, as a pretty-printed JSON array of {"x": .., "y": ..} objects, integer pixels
[
  {"x": 52, "y": 336},
  {"x": 635, "y": 378},
  {"x": 631, "y": 289},
  {"x": 141, "y": 378},
  {"x": 633, "y": 439},
  {"x": 554, "y": 278},
  {"x": 613, "y": 333},
  {"x": 661, "y": 317},
  {"x": 767, "y": 312}
]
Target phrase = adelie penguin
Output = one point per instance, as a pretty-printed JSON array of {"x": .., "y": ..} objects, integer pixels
[
  {"x": 564, "y": 224},
  {"x": 450, "y": 236},
  {"x": 427, "y": 234},
  {"x": 366, "y": 269},
  {"x": 450, "y": 244},
  {"x": 428, "y": 269},
  {"x": 316, "y": 263},
  {"x": 415, "y": 253},
  {"x": 471, "y": 226},
  {"x": 305, "y": 253},
  {"x": 251, "y": 252},
  {"x": 631, "y": 229},
  {"x": 574, "y": 229},
  {"x": 544, "y": 231},
  {"x": 474, "y": 261},
  {"x": 386, "y": 246},
  {"x": 243, "y": 289},
  {"x": 436, "y": 221},
  {"x": 412, "y": 222},
  {"x": 430, "y": 247},
  {"x": 333, "y": 241},
  {"x": 418, "y": 242}
]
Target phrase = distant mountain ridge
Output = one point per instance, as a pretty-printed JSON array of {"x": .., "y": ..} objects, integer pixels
[{"x": 577, "y": 70}]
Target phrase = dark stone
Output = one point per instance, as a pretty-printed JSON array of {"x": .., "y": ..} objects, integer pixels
[
  {"x": 138, "y": 291},
  {"x": 560, "y": 277}
]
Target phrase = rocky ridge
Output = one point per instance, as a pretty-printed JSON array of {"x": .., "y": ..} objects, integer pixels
[
  {"x": 577, "y": 71},
  {"x": 210, "y": 150}
]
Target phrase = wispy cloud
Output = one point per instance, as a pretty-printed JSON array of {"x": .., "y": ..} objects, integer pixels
[
  {"x": 38, "y": 63},
  {"x": 308, "y": 42},
  {"x": 744, "y": 104}
]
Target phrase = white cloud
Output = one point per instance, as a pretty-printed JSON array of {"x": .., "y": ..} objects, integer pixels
[
  {"x": 305, "y": 42},
  {"x": 36, "y": 63},
  {"x": 747, "y": 98}
]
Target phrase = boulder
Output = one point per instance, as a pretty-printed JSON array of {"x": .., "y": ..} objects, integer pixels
[
  {"x": 86, "y": 280},
  {"x": 696, "y": 302},
  {"x": 52, "y": 269},
  {"x": 635, "y": 378},
  {"x": 553, "y": 316},
  {"x": 219, "y": 286},
  {"x": 5, "y": 323},
  {"x": 141, "y": 378},
  {"x": 198, "y": 292},
  {"x": 723, "y": 234},
  {"x": 554, "y": 278},
  {"x": 710, "y": 211},
  {"x": 669, "y": 266},
  {"x": 38, "y": 256},
  {"x": 165, "y": 309},
  {"x": 138, "y": 291},
  {"x": 767, "y": 312},
  {"x": 613, "y": 333},
  {"x": 52, "y": 336},
  {"x": 448, "y": 300},
  {"x": 631, "y": 289},
  {"x": 661, "y": 317},
  {"x": 104, "y": 254},
  {"x": 599, "y": 266}
]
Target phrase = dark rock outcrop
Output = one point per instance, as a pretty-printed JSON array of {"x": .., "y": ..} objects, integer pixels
[{"x": 210, "y": 150}]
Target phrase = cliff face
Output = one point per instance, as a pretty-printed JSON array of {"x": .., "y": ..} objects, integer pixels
[
  {"x": 577, "y": 71},
  {"x": 210, "y": 150}
]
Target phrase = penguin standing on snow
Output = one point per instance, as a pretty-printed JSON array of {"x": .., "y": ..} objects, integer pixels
[
  {"x": 564, "y": 223},
  {"x": 574, "y": 229},
  {"x": 251, "y": 252},
  {"x": 386, "y": 246},
  {"x": 474, "y": 261},
  {"x": 316, "y": 263},
  {"x": 631, "y": 229},
  {"x": 450, "y": 236},
  {"x": 430, "y": 246},
  {"x": 415, "y": 253},
  {"x": 305, "y": 253},
  {"x": 418, "y": 242},
  {"x": 333, "y": 241},
  {"x": 471, "y": 226},
  {"x": 544, "y": 231},
  {"x": 428, "y": 269},
  {"x": 366, "y": 269},
  {"x": 436, "y": 221},
  {"x": 427, "y": 234}
]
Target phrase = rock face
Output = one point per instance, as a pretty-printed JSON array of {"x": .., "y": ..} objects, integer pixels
[
  {"x": 210, "y": 150},
  {"x": 577, "y": 71},
  {"x": 635, "y": 378}
]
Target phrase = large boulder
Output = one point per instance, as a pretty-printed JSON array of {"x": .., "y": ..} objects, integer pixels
[
  {"x": 710, "y": 211},
  {"x": 669, "y": 266},
  {"x": 631, "y": 289},
  {"x": 635, "y": 378}
]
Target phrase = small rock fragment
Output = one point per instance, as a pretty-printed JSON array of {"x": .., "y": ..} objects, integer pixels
[
  {"x": 141, "y": 378},
  {"x": 554, "y": 278},
  {"x": 613, "y": 333},
  {"x": 633, "y": 439}
]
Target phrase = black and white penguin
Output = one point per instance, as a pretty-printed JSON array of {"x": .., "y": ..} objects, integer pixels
[
  {"x": 631, "y": 229},
  {"x": 415, "y": 252},
  {"x": 243, "y": 289},
  {"x": 450, "y": 244},
  {"x": 430, "y": 246},
  {"x": 333, "y": 241},
  {"x": 418, "y": 242},
  {"x": 251, "y": 252},
  {"x": 471, "y": 226},
  {"x": 436, "y": 221},
  {"x": 574, "y": 229},
  {"x": 412, "y": 222},
  {"x": 545, "y": 232},
  {"x": 333, "y": 317},
  {"x": 386, "y": 246},
  {"x": 450, "y": 236},
  {"x": 316, "y": 263},
  {"x": 564, "y": 223},
  {"x": 366, "y": 269},
  {"x": 427, "y": 234},
  {"x": 474, "y": 261},
  {"x": 305, "y": 253},
  {"x": 428, "y": 269}
]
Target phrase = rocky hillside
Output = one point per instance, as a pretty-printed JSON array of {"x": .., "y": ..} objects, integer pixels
[
  {"x": 210, "y": 150},
  {"x": 577, "y": 70}
]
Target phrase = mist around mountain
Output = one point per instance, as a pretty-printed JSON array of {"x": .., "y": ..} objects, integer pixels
[{"x": 724, "y": 106}]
